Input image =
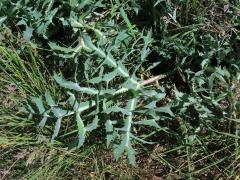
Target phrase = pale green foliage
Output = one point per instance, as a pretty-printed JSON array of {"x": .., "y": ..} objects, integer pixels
[
  {"x": 104, "y": 97},
  {"x": 108, "y": 86}
]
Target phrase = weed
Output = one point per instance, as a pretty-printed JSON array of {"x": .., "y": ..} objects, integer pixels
[{"x": 113, "y": 73}]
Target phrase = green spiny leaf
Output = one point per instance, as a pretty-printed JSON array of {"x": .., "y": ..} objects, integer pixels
[
  {"x": 56, "y": 129},
  {"x": 27, "y": 34},
  {"x": 43, "y": 122},
  {"x": 58, "y": 112},
  {"x": 93, "y": 125},
  {"x": 49, "y": 99},
  {"x": 141, "y": 140},
  {"x": 165, "y": 109},
  {"x": 151, "y": 122},
  {"x": 109, "y": 131},
  {"x": 38, "y": 101},
  {"x": 117, "y": 109},
  {"x": 2, "y": 19},
  {"x": 81, "y": 129},
  {"x": 74, "y": 86}
]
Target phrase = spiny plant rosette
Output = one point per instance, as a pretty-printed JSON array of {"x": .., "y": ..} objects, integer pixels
[{"x": 112, "y": 93}]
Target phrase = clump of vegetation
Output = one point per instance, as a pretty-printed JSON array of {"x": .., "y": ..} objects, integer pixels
[{"x": 159, "y": 86}]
